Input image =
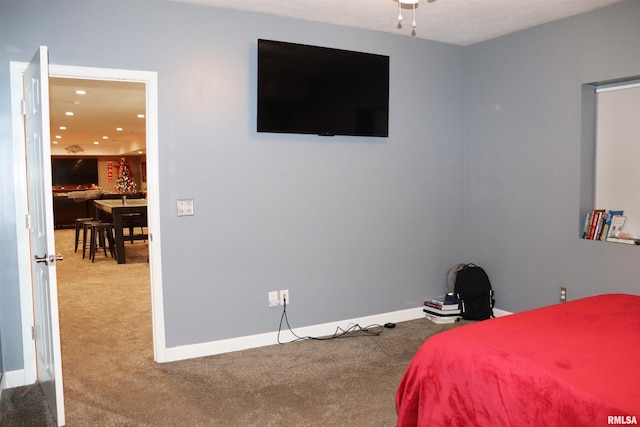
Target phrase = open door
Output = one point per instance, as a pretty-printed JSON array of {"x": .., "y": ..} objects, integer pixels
[{"x": 43, "y": 258}]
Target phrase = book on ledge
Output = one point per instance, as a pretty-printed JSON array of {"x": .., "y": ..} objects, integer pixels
[
  {"x": 627, "y": 238},
  {"x": 616, "y": 234},
  {"x": 606, "y": 227},
  {"x": 626, "y": 241},
  {"x": 615, "y": 227}
]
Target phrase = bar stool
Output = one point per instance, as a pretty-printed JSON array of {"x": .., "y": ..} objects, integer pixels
[
  {"x": 86, "y": 243},
  {"x": 132, "y": 220},
  {"x": 80, "y": 224},
  {"x": 101, "y": 234}
]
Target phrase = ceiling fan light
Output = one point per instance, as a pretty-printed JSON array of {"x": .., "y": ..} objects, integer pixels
[
  {"x": 413, "y": 4},
  {"x": 413, "y": 23}
]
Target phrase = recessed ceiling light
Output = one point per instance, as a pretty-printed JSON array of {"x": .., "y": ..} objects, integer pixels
[
  {"x": 55, "y": 142},
  {"x": 119, "y": 129},
  {"x": 58, "y": 136},
  {"x": 63, "y": 128},
  {"x": 81, "y": 92},
  {"x": 141, "y": 116},
  {"x": 105, "y": 137},
  {"x": 139, "y": 152},
  {"x": 69, "y": 113},
  {"x": 96, "y": 142}
]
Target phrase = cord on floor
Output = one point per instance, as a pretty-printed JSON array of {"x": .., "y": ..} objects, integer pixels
[{"x": 351, "y": 332}]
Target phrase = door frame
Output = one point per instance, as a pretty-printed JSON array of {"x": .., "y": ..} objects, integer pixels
[{"x": 21, "y": 200}]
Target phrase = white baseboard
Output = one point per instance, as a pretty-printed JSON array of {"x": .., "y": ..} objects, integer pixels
[
  {"x": 211, "y": 348},
  {"x": 184, "y": 352},
  {"x": 13, "y": 379},
  {"x": 499, "y": 313}
]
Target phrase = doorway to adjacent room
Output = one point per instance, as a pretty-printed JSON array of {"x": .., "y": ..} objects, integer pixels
[{"x": 156, "y": 325}]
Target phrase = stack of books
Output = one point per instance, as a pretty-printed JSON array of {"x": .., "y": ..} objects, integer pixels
[
  {"x": 441, "y": 310},
  {"x": 600, "y": 224}
]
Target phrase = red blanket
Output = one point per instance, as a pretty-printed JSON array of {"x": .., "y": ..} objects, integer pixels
[{"x": 571, "y": 364}]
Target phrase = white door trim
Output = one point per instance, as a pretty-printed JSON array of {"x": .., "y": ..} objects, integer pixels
[{"x": 20, "y": 187}]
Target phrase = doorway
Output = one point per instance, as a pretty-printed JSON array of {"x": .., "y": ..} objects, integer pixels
[
  {"x": 152, "y": 171},
  {"x": 98, "y": 144}
]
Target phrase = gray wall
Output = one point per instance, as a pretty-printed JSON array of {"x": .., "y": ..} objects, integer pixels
[
  {"x": 10, "y": 324},
  {"x": 523, "y": 149},
  {"x": 351, "y": 226}
]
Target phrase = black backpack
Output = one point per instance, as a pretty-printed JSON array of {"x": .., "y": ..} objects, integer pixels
[{"x": 473, "y": 290}]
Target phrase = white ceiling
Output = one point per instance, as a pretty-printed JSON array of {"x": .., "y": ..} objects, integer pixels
[
  {"x": 460, "y": 22},
  {"x": 97, "y": 115}
]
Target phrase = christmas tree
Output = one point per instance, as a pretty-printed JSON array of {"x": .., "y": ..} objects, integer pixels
[{"x": 125, "y": 182}]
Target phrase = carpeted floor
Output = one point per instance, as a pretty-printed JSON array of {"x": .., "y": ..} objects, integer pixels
[
  {"x": 25, "y": 407},
  {"x": 110, "y": 378}
]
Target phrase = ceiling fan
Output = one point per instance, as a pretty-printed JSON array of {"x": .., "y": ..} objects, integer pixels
[{"x": 413, "y": 4}]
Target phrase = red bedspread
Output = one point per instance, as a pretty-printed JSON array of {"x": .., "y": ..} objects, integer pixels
[{"x": 571, "y": 364}]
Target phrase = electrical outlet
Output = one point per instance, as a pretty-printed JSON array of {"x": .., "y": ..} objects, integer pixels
[
  {"x": 282, "y": 295},
  {"x": 274, "y": 300},
  {"x": 563, "y": 295}
]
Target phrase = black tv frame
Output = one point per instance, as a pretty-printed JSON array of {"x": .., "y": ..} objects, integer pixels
[{"x": 304, "y": 89}]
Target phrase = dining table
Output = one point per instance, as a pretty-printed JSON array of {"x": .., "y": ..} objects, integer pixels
[{"x": 118, "y": 209}]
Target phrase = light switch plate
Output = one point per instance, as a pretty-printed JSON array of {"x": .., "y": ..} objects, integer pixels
[{"x": 185, "y": 207}]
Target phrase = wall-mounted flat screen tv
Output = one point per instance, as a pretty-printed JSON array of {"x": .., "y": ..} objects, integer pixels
[
  {"x": 68, "y": 172},
  {"x": 322, "y": 91}
]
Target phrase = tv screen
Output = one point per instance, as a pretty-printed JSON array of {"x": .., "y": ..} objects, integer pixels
[
  {"x": 68, "y": 172},
  {"x": 323, "y": 91}
]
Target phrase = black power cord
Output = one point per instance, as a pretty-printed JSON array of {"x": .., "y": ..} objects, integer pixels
[{"x": 351, "y": 332}]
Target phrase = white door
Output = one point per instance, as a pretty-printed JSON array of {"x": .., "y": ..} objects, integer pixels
[{"x": 43, "y": 256}]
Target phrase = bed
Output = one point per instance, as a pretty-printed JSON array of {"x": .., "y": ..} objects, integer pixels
[{"x": 570, "y": 364}]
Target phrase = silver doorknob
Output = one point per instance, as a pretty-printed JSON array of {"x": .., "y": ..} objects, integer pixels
[{"x": 51, "y": 259}]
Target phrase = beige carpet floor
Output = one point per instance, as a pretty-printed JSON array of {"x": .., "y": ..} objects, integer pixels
[{"x": 110, "y": 378}]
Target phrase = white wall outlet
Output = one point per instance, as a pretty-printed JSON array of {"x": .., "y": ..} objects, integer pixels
[
  {"x": 273, "y": 298},
  {"x": 563, "y": 295},
  {"x": 185, "y": 207},
  {"x": 282, "y": 295}
]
